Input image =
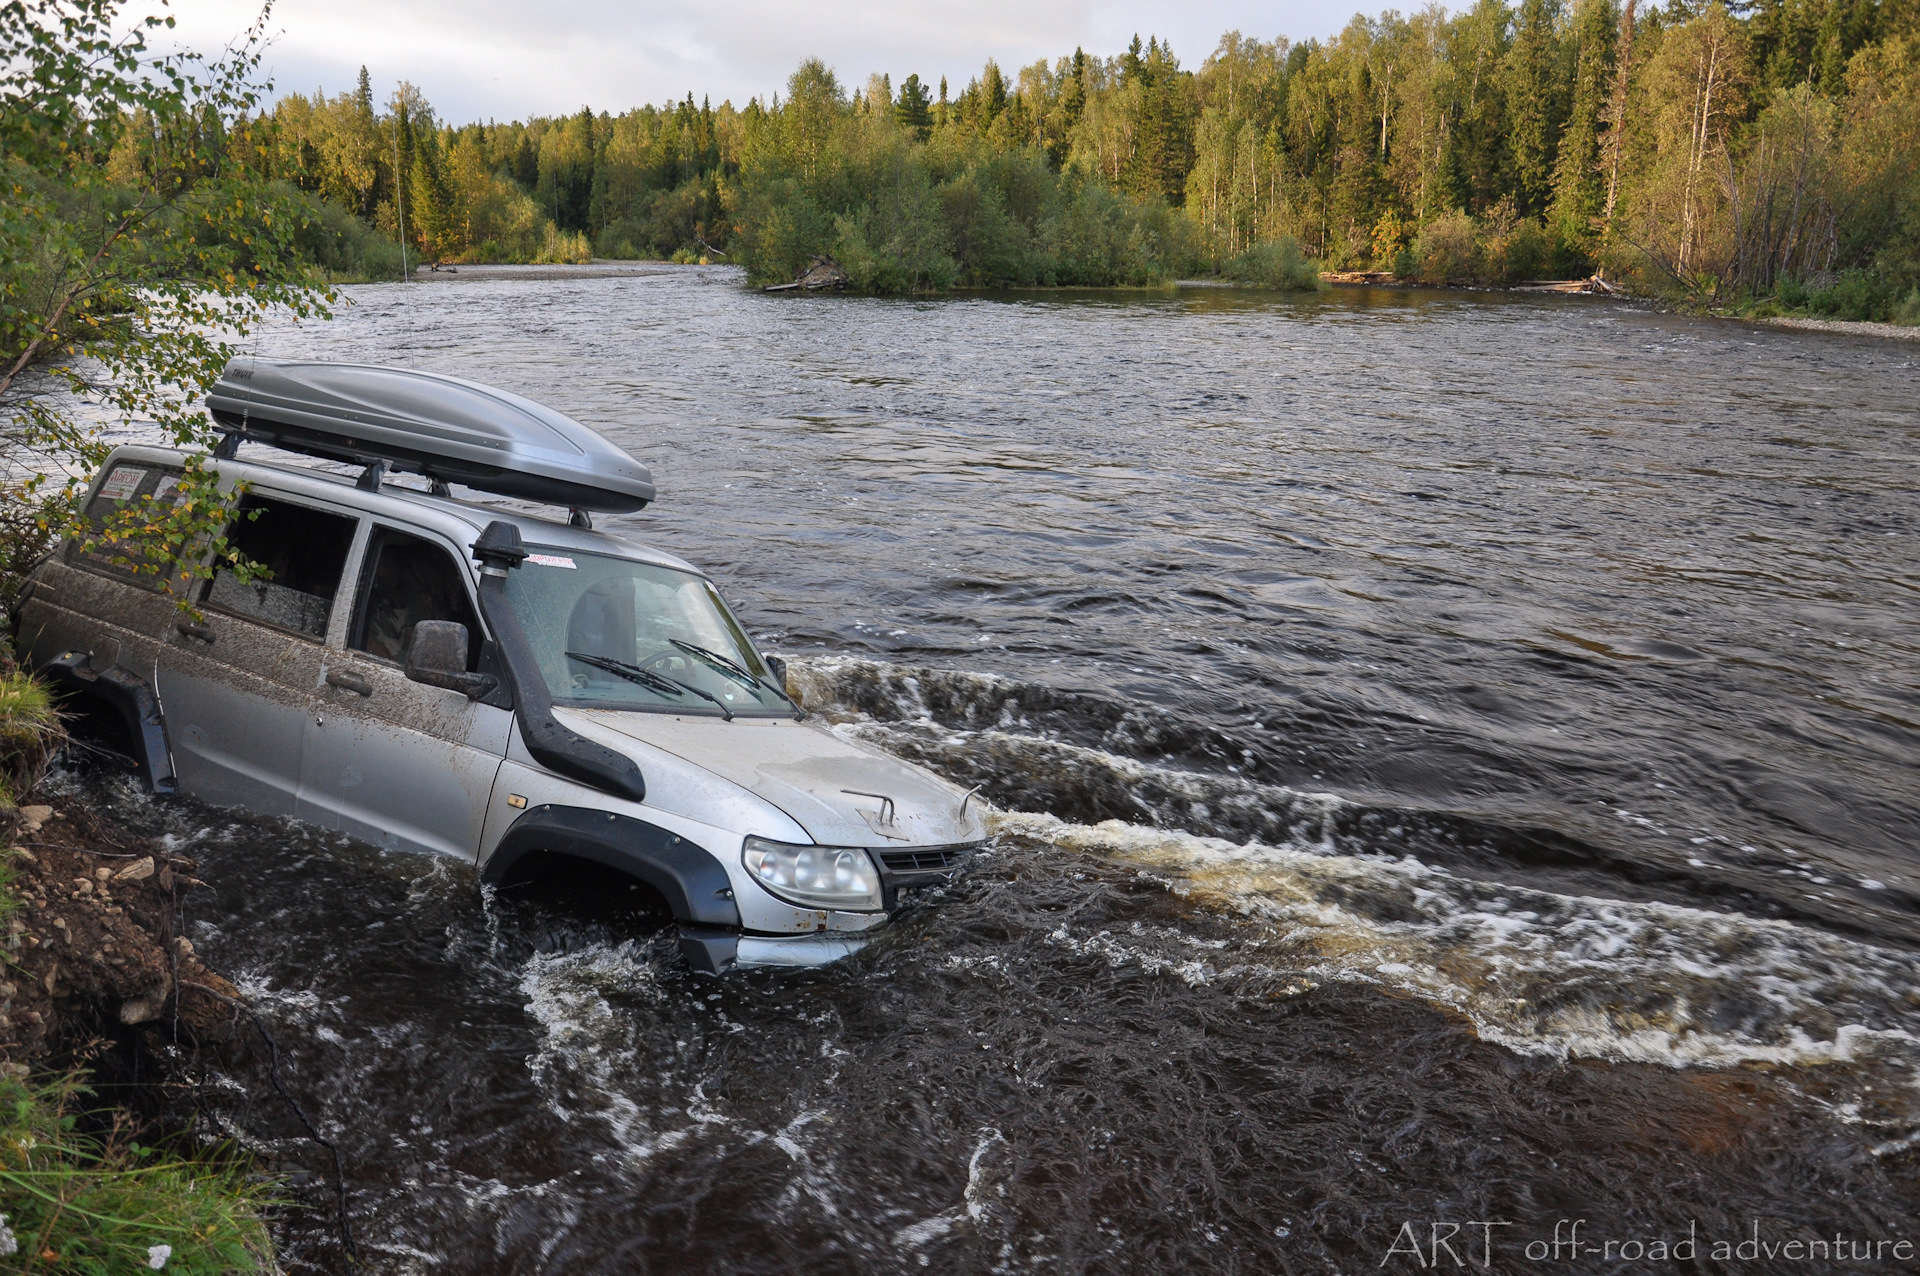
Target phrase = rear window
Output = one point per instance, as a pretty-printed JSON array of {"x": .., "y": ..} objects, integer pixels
[
  {"x": 305, "y": 552},
  {"x": 125, "y": 486}
]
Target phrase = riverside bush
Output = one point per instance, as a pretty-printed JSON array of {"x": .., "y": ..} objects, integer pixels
[
  {"x": 1853, "y": 295},
  {"x": 341, "y": 247},
  {"x": 1278, "y": 263},
  {"x": 30, "y": 733},
  {"x": 1447, "y": 250}
]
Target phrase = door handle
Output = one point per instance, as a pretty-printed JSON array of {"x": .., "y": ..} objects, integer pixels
[
  {"x": 349, "y": 682},
  {"x": 192, "y": 630}
]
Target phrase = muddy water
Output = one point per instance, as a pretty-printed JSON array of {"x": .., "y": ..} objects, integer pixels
[{"x": 1457, "y": 761}]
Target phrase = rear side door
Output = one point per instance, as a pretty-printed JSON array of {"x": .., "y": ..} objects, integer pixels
[
  {"x": 389, "y": 761},
  {"x": 238, "y": 685}
]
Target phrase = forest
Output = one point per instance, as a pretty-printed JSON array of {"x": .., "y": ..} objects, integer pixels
[{"x": 1763, "y": 153}]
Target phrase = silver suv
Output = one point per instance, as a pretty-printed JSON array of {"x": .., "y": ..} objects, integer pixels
[{"x": 429, "y": 673}]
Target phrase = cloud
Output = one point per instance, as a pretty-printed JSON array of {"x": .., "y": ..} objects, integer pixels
[{"x": 501, "y": 59}]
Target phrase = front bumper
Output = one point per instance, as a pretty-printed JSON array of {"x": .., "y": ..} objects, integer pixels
[{"x": 711, "y": 951}]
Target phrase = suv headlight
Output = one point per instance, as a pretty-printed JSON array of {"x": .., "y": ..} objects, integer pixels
[{"x": 837, "y": 877}]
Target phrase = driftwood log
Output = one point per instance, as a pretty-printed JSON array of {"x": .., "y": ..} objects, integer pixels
[
  {"x": 1594, "y": 284},
  {"x": 823, "y": 273}
]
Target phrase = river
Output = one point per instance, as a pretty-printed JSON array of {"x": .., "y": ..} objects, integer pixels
[{"x": 1456, "y": 759}]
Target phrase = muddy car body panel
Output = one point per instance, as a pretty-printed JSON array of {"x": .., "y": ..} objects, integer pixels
[{"x": 609, "y": 707}]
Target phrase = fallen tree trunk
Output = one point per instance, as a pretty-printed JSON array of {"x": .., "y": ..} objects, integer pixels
[{"x": 823, "y": 274}]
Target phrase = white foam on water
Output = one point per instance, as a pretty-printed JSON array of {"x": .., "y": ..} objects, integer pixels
[
  {"x": 1541, "y": 973},
  {"x": 986, "y": 1186},
  {"x": 583, "y": 1002},
  {"x": 1538, "y": 972}
]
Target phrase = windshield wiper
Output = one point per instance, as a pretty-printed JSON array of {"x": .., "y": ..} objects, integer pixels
[
  {"x": 632, "y": 673},
  {"x": 738, "y": 674},
  {"x": 647, "y": 678},
  {"x": 719, "y": 662}
]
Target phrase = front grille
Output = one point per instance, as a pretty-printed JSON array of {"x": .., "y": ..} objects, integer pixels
[{"x": 929, "y": 859}]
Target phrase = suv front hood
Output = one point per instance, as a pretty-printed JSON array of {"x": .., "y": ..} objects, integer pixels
[{"x": 841, "y": 792}]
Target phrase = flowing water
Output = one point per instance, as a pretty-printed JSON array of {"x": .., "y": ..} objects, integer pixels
[{"x": 1456, "y": 761}]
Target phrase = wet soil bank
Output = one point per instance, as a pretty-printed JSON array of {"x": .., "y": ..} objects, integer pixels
[{"x": 96, "y": 972}]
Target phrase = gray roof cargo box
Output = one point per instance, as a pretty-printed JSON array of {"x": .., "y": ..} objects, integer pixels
[{"x": 444, "y": 427}]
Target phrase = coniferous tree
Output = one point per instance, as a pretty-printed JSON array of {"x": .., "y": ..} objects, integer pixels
[
  {"x": 430, "y": 211},
  {"x": 524, "y": 167},
  {"x": 911, "y": 110},
  {"x": 1531, "y": 80},
  {"x": 1577, "y": 179}
]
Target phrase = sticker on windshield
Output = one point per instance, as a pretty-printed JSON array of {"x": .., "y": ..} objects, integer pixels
[
  {"x": 121, "y": 483},
  {"x": 168, "y": 488},
  {"x": 553, "y": 560}
]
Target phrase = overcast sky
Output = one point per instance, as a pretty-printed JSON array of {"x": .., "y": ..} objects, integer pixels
[{"x": 507, "y": 59}]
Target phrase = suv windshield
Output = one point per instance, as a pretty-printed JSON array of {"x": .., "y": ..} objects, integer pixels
[{"x": 610, "y": 633}]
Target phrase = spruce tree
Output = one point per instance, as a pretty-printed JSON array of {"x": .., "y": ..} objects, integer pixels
[
  {"x": 911, "y": 109},
  {"x": 430, "y": 202},
  {"x": 1577, "y": 184},
  {"x": 1531, "y": 78}
]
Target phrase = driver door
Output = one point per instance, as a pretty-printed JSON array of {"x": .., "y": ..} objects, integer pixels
[{"x": 397, "y": 763}]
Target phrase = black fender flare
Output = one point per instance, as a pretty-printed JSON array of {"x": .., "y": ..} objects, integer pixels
[
  {"x": 695, "y": 887},
  {"x": 138, "y": 706}
]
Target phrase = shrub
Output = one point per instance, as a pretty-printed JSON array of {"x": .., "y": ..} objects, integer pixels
[
  {"x": 1275, "y": 263},
  {"x": 563, "y": 247},
  {"x": 1447, "y": 250},
  {"x": 1854, "y": 295},
  {"x": 342, "y": 247}
]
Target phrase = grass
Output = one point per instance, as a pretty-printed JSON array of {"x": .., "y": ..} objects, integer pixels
[
  {"x": 30, "y": 733},
  {"x": 85, "y": 1204}
]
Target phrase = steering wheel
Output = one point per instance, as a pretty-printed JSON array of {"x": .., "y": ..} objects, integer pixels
[{"x": 667, "y": 660}]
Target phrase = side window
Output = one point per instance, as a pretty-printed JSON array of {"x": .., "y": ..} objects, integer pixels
[
  {"x": 407, "y": 580},
  {"x": 125, "y": 486},
  {"x": 305, "y": 549}
]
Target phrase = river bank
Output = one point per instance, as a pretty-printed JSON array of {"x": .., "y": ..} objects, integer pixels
[
  {"x": 93, "y": 948},
  {"x": 103, "y": 1004},
  {"x": 1892, "y": 331}
]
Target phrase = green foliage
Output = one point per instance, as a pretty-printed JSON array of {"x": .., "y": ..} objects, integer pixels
[
  {"x": 1447, "y": 250},
  {"x": 1856, "y": 295},
  {"x": 83, "y": 1204},
  {"x": 133, "y": 248},
  {"x": 30, "y": 734},
  {"x": 340, "y": 247},
  {"x": 1275, "y": 263},
  {"x": 1689, "y": 147}
]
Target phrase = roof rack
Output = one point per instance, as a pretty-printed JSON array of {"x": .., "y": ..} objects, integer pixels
[{"x": 449, "y": 429}]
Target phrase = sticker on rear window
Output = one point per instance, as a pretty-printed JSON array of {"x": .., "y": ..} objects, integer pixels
[
  {"x": 552, "y": 560},
  {"x": 167, "y": 488},
  {"x": 121, "y": 483}
]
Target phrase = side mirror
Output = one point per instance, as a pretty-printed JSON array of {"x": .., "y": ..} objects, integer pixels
[
  {"x": 777, "y": 666},
  {"x": 438, "y": 658}
]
